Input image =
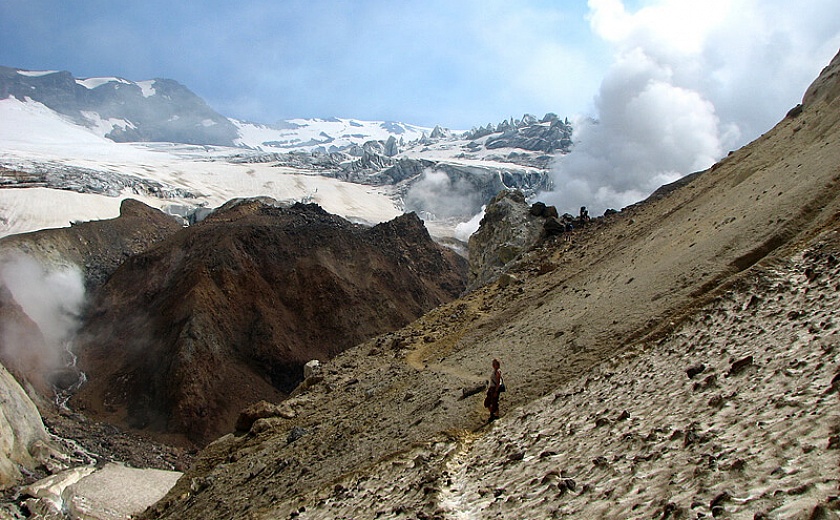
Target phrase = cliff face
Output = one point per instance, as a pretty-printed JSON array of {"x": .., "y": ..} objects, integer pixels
[
  {"x": 96, "y": 247},
  {"x": 226, "y": 313},
  {"x": 23, "y": 439},
  {"x": 678, "y": 359}
]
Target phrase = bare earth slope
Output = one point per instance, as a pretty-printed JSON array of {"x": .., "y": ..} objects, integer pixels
[
  {"x": 226, "y": 312},
  {"x": 735, "y": 270},
  {"x": 96, "y": 247}
]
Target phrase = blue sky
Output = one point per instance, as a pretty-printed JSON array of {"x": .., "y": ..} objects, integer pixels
[
  {"x": 455, "y": 63},
  {"x": 674, "y": 84}
]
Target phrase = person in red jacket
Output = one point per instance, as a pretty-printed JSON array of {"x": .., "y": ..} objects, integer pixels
[{"x": 494, "y": 388}]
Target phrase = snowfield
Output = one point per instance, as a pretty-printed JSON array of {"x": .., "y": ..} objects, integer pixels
[
  {"x": 308, "y": 134},
  {"x": 33, "y": 137},
  {"x": 56, "y": 169}
]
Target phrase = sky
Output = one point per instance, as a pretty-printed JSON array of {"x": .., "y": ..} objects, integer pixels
[
  {"x": 673, "y": 84},
  {"x": 458, "y": 63}
]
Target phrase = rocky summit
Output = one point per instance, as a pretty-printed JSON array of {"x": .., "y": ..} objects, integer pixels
[
  {"x": 226, "y": 313},
  {"x": 678, "y": 359}
]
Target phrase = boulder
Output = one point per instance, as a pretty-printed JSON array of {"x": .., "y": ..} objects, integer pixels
[
  {"x": 262, "y": 410},
  {"x": 509, "y": 228},
  {"x": 312, "y": 368}
]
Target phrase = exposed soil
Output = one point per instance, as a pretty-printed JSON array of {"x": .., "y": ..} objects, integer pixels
[{"x": 595, "y": 337}]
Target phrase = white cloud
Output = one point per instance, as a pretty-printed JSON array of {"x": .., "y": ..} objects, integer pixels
[{"x": 689, "y": 81}]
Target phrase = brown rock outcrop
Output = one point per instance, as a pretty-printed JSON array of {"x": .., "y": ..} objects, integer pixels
[
  {"x": 226, "y": 313},
  {"x": 508, "y": 228}
]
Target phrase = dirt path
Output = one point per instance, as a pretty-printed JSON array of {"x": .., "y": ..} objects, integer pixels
[{"x": 419, "y": 360}]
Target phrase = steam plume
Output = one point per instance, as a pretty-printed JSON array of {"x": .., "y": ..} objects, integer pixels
[
  {"x": 52, "y": 299},
  {"x": 439, "y": 196},
  {"x": 690, "y": 81}
]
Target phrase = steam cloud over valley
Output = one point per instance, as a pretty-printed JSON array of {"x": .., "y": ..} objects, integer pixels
[
  {"x": 439, "y": 196},
  {"x": 52, "y": 298},
  {"x": 677, "y": 98}
]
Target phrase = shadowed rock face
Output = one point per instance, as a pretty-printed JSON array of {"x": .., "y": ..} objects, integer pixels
[{"x": 227, "y": 312}]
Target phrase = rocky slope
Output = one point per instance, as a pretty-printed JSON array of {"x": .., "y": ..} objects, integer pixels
[
  {"x": 91, "y": 250},
  {"x": 677, "y": 360},
  {"x": 226, "y": 313},
  {"x": 25, "y": 444}
]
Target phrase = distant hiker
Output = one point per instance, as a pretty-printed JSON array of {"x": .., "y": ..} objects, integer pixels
[
  {"x": 491, "y": 402},
  {"x": 584, "y": 215},
  {"x": 569, "y": 230}
]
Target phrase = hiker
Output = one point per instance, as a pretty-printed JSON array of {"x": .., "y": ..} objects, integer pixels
[
  {"x": 584, "y": 216},
  {"x": 569, "y": 228},
  {"x": 491, "y": 402}
]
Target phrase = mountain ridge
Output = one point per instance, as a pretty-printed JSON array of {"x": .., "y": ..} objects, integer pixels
[
  {"x": 58, "y": 132},
  {"x": 222, "y": 314}
]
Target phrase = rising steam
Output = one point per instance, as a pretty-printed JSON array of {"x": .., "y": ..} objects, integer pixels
[
  {"x": 690, "y": 81},
  {"x": 49, "y": 298},
  {"x": 438, "y": 196}
]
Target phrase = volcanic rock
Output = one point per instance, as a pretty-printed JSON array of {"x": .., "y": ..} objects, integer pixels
[
  {"x": 227, "y": 312},
  {"x": 509, "y": 228}
]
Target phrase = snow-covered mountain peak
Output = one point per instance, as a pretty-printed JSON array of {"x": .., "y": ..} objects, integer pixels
[
  {"x": 110, "y": 137},
  {"x": 92, "y": 83},
  {"x": 326, "y": 135}
]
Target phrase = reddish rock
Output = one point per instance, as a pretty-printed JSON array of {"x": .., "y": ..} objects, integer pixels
[{"x": 226, "y": 313}]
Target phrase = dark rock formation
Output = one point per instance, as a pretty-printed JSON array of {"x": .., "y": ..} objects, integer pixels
[
  {"x": 509, "y": 227},
  {"x": 226, "y": 313}
]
